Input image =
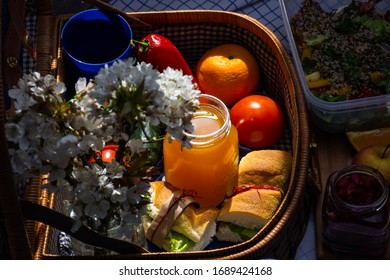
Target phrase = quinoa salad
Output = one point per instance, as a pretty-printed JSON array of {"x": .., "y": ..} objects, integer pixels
[{"x": 345, "y": 53}]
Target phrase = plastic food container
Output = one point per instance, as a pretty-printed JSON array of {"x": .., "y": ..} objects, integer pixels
[{"x": 340, "y": 116}]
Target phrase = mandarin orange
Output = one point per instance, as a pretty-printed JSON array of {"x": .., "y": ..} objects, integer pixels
[{"x": 229, "y": 72}]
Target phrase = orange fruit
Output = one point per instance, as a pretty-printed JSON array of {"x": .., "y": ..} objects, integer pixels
[
  {"x": 374, "y": 137},
  {"x": 229, "y": 72}
]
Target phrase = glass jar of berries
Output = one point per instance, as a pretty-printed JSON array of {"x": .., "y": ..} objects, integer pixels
[{"x": 355, "y": 211}]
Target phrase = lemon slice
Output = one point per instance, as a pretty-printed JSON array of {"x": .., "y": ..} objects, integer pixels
[{"x": 373, "y": 137}]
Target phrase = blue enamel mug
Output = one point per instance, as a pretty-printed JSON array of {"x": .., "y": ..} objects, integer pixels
[{"x": 92, "y": 38}]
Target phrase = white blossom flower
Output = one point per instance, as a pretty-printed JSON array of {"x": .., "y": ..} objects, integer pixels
[
  {"x": 129, "y": 104},
  {"x": 20, "y": 161},
  {"x": 136, "y": 146},
  {"x": 56, "y": 175},
  {"x": 119, "y": 195},
  {"x": 128, "y": 226},
  {"x": 97, "y": 209},
  {"x": 115, "y": 170},
  {"x": 14, "y": 132},
  {"x": 142, "y": 188},
  {"x": 133, "y": 196},
  {"x": 90, "y": 141},
  {"x": 81, "y": 84},
  {"x": 23, "y": 101}
]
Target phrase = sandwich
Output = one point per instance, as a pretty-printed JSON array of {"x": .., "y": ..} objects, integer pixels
[
  {"x": 174, "y": 222},
  {"x": 244, "y": 214},
  {"x": 265, "y": 167},
  {"x": 263, "y": 177}
]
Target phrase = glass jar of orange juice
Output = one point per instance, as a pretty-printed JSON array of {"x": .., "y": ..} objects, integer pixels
[{"x": 210, "y": 167}]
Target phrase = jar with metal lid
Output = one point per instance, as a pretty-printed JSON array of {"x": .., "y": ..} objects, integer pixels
[{"x": 355, "y": 211}]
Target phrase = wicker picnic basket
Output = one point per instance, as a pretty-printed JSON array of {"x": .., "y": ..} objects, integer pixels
[{"x": 193, "y": 32}]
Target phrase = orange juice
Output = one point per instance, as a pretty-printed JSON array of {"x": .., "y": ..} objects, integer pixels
[{"x": 210, "y": 167}]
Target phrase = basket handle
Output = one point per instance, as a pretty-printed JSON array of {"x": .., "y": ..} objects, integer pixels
[
  {"x": 63, "y": 223},
  {"x": 104, "y": 6}
]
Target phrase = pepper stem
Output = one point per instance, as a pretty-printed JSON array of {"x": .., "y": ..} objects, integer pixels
[{"x": 144, "y": 45}]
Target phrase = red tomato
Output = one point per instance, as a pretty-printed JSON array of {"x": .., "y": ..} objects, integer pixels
[
  {"x": 259, "y": 121},
  {"x": 108, "y": 153}
]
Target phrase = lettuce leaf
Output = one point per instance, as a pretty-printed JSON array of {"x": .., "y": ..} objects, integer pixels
[
  {"x": 178, "y": 242},
  {"x": 244, "y": 233}
]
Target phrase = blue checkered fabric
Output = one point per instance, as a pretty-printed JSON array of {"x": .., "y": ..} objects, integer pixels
[
  {"x": 31, "y": 27},
  {"x": 265, "y": 11},
  {"x": 28, "y": 63}
]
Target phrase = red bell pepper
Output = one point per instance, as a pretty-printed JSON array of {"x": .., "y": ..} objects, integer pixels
[{"x": 162, "y": 53}]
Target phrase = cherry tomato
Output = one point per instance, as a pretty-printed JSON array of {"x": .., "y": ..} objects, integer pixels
[
  {"x": 259, "y": 121},
  {"x": 108, "y": 153}
]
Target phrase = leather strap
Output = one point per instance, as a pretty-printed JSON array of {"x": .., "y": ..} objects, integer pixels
[{"x": 63, "y": 223}]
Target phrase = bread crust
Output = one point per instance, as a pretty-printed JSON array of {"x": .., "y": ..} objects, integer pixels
[
  {"x": 251, "y": 209},
  {"x": 265, "y": 167}
]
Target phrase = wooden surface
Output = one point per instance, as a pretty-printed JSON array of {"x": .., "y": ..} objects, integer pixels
[{"x": 334, "y": 152}]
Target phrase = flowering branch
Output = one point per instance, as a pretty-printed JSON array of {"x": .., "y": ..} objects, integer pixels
[{"x": 129, "y": 105}]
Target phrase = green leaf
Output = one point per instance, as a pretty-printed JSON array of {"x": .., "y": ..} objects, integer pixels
[
  {"x": 383, "y": 84},
  {"x": 178, "y": 242},
  {"x": 307, "y": 65},
  {"x": 346, "y": 24},
  {"x": 126, "y": 109},
  {"x": 350, "y": 65},
  {"x": 315, "y": 40},
  {"x": 152, "y": 137},
  {"x": 244, "y": 233},
  {"x": 330, "y": 97},
  {"x": 332, "y": 53},
  {"x": 379, "y": 27}
]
